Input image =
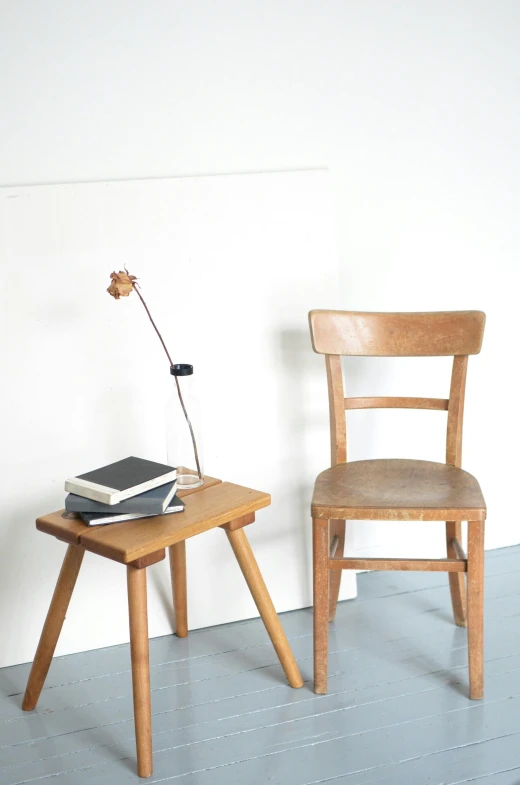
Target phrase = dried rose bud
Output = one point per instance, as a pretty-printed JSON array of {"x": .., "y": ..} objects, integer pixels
[{"x": 122, "y": 284}]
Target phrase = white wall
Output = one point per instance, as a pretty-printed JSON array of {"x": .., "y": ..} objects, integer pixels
[
  {"x": 87, "y": 379},
  {"x": 414, "y": 107}
]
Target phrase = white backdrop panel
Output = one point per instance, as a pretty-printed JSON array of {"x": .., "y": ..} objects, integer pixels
[{"x": 229, "y": 266}]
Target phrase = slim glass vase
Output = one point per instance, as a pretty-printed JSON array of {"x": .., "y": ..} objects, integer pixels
[{"x": 184, "y": 440}]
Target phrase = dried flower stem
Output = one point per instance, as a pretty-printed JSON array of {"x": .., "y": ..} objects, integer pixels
[
  {"x": 136, "y": 289},
  {"x": 181, "y": 400}
]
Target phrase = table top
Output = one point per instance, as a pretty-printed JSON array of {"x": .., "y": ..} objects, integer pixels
[{"x": 214, "y": 504}]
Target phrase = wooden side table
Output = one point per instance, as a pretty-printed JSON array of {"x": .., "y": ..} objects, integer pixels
[{"x": 138, "y": 544}]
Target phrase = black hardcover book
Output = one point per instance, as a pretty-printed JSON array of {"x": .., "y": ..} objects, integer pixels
[
  {"x": 118, "y": 481},
  {"x": 152, "y": 502}
]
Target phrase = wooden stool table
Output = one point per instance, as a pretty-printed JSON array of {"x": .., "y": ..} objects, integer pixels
[{"x": 138, "y": 544}]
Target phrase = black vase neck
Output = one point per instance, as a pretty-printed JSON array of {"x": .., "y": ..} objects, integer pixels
[{"x": 181, "y": 369}]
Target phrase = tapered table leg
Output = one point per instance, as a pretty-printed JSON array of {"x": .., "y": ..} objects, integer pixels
[
  {"x": 258, "y": 589},
  {"x": 53, "y": 624},
  {"x": 179, "y": 588},
  {"x": 138, "y": 615}
]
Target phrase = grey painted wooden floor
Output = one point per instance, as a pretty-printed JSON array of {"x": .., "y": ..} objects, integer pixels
[{"x": 397, "y": 711}]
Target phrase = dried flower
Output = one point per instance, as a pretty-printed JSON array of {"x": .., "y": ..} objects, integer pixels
[{"x": 122, "y": 284}]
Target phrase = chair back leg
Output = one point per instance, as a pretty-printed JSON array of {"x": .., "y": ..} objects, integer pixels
[
  {"x": 337, "y": 548},
  {"x": 457, "y": 579}
]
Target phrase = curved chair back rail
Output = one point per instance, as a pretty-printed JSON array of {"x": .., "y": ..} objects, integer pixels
[
  {"x": 440, "y": 333},
  {"x": 354, "y": 333}
]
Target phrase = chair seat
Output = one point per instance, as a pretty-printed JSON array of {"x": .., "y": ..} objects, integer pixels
[{"x": 399, "y": 490}]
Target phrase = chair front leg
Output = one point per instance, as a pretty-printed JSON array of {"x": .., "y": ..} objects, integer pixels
[
  {"x": 53, "y": 624},
  {"x": 320, "y": 541},
  {"x": 476, "y": 608}
]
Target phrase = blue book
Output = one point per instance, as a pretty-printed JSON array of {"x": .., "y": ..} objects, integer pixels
[
  {"x": 152, "y": 502},
  {"x": 97, "y": 519}
]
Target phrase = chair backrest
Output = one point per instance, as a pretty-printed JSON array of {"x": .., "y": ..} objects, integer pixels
[{"x": 448, "y": 333}]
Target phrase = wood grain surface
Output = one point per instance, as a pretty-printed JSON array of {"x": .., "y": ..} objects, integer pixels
[
  {"x": 397, "y": 489},
  {"x": 355, "y": 333},
  {"x": 212, "y": 505}
]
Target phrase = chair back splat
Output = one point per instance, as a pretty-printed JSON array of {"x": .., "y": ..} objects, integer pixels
[{"x": 357, "y": 334}]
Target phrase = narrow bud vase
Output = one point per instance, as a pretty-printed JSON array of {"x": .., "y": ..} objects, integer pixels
[{"x": 184, "y": 441}]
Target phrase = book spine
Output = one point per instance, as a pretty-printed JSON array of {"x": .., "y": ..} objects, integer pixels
[
  {"x": 88, "y": 490},
  {"x": 145, "y": 486}
]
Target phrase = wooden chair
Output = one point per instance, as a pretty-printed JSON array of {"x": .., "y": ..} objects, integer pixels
[{"x": 398, "y": 490}]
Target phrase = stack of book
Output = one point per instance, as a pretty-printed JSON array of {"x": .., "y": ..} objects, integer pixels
[{"x": 128, "y": 489}]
